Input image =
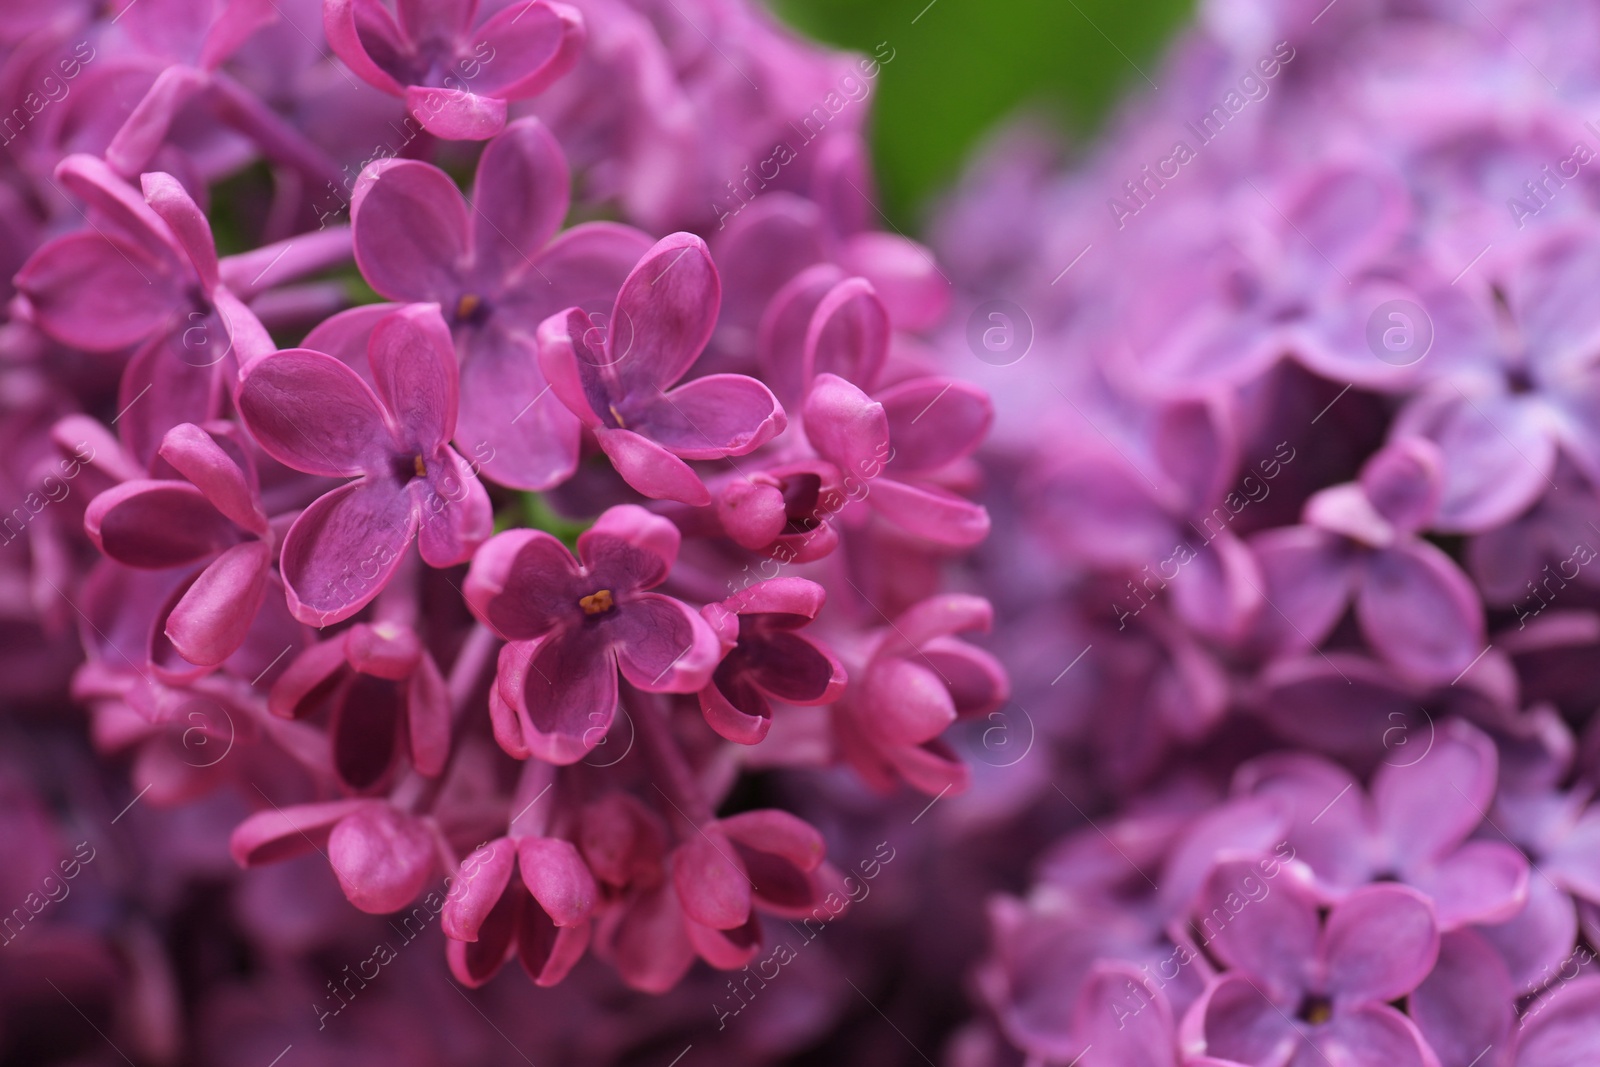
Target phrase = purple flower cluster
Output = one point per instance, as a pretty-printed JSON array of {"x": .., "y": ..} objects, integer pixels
[
  {"x": 500, "y": 584},
  {"x": 1296, "y": 490},
  {"x": 475, "y": 472}
]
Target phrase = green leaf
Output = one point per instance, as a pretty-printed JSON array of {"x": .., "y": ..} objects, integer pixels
[{"x": 960, "y": 67}]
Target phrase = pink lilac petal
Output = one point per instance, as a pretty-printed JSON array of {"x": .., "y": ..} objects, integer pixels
[
  {"x": 382, "y": 858},
  {"x": 313, "y": 413},
  {"x": 1378, "y": 944},
  {"x": 210, "y": 622},
  {"x": 1464, "y": 1007}
]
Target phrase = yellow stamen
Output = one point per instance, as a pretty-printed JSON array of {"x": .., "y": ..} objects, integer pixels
[
  {"x": 615, "y": 414},
  {"x": 1319, "y": 1014},
  {"x": 595, "y": 603},
  {"x": 417, "y": 464},
  {"x": 468, "y": 303}
]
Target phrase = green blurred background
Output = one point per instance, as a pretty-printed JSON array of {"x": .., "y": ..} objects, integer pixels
[{"x": 965, "y": 65}]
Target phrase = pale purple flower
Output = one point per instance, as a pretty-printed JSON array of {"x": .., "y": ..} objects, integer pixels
[
  {"x": 1415, "y": 824},
  {"x": 1561, "y": 1026},
  {"x": 1517, "y": 385},
  {"x": 1361, "y": 543},
  {"x": 194, "y": 38},
  {"x": 1299, "y": 989}
]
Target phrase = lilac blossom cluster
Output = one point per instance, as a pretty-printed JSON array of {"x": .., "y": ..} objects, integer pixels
[
  {"x": 435, "y": 471},
  {"x": 1300, "y": 450}
]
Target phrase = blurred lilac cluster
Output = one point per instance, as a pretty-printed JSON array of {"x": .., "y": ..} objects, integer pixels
[
  {"x": 470, "y": 459},
  {"x": 1294, "y": 481}
]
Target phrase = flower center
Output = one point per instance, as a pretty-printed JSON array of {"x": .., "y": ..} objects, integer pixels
[
  {"x": 471, "y": 309},
  {"x": 404, "y": 468},
  {"x": 597, "y": 603},
  {"x": 615, "y": 414},
  {"x": 1316, "y": 1010}
]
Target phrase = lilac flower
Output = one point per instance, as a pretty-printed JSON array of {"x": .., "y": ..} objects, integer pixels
[
  {"x": 572, "y": 624},
  {"x": 1299, "y": 989},
  {"x": 313, "y": 413},
  {"x": 1465, "y": 1007},
  {"x": 677, "y": 114},
  {"x": 1415, "y": 827},
  {"x": 381, "y": 855},
  {"x": 1528, "y": 561},
  {"x": 824, "y": 343},
  {"x": 616, "y": 379},
  {"x": 1519, "y": 388},
  {"x": 455, "y": 73},
  {"x": 729, "y": 870},
  {"x": 157, "y": 284},
  {"x": 386, "y": 695},
  {"x": 1416, "y": 608},
  {"x": 530, "y": 897},
  {"x": 780, "y": 235},
  {"x": 256, "y": 493},
  {"x": 214, "y": 518},
  {"x": 766, "y": 659},
  {"x": 1093, "y": 916},
  {"x": 916, "y": 679},
  {"x": 195, "y": 37},
  {"x": 782, "y": 510},
  {"x": 492, "y": 266},
  {"x": 1288, "y": 289},
  {"x": 1102, "y": 508}
]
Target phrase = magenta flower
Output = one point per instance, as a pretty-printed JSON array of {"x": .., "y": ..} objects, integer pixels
[
  {"x": 530, "y": 897},
  {"x": 782, "y": 510},
  {"x": 454, "y": 72},
  {"x": 313, "y": 413},
  {"x": 572, "y": 624},
  {"x": 212, "y": 523},
  {"x": 727, "y": 871},
  {"x": 615, "y": 378},
  {"x": 825, "y": 340},
  {"x": 386, "y": 696},
  {"x": 766, "y": 659},
  {"x": 1361, "y": 542},
  {"x": 918, "y": 678},
  {"x": 381, "y": 855},
  {"x": 1301, "y": 990},
  {"x": 493, "y": 268}
]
